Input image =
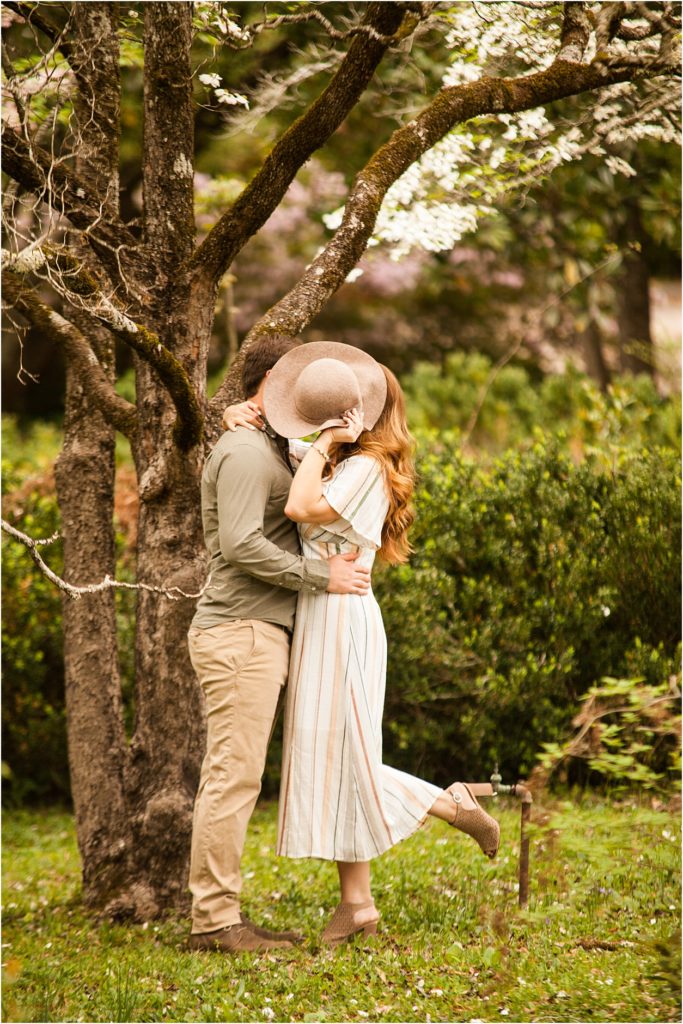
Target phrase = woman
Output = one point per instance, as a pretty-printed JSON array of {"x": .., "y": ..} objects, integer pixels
[{"x": 351, "y": 492}]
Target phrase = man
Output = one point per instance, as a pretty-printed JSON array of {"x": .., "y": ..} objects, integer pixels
[{"x": 239, "y": 646}]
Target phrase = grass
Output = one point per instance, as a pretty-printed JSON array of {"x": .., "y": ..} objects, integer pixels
[{"x": 597, "y": 943}]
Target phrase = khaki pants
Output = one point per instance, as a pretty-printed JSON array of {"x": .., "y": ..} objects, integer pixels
[{"x": 242, "y": 668}]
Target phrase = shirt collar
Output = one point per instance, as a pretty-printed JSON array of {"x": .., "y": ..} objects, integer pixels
[{"x": 272, "y": 434}]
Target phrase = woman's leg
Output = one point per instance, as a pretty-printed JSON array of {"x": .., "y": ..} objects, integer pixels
[
  {"x": 444, "y": 807},
  {"x": 354, "y": 882},
  {"x": 356, "y": 911}
]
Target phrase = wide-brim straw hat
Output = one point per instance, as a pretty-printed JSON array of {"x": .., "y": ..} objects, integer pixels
[{"x": 313, "y": 385}]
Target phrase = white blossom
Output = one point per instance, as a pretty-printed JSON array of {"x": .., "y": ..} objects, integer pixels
[
  {"x": 618, "y": 166},
  {"x": 213, "y": 80},
  {"x": 231, "y": 98}
]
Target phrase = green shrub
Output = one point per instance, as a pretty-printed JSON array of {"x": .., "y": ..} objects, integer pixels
[
  {"x": 533, "y": 577},
  {"x": 530, "y": 581},
  {"x": 33, "y": 716},
  {"x": 629, "y": 415},
  {"x": 627, "y": 733}
]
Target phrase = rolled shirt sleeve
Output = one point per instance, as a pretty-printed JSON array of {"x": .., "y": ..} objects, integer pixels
[{"x": 242, "y": 492}]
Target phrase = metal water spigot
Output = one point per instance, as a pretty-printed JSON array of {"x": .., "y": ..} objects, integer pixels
[{"x": 497, "y": 783}]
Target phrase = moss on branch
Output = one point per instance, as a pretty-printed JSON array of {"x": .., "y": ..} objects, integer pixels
[
  {"x": 262, "y": 195},
  {"x": 453, "y": 105},
  {"x": 78, "y": 280},
  {"x": 189, "y": 425}
]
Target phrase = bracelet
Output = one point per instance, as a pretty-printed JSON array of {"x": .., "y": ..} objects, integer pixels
[{"x": 325, "y": 456}]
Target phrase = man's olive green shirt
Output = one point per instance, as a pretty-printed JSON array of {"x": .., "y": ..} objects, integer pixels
[{"x": 256, "y": 562}]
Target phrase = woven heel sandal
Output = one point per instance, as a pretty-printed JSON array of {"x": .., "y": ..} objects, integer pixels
[
  {"x": 474, "y": 821},
  {"x": 343, "y": 924}
]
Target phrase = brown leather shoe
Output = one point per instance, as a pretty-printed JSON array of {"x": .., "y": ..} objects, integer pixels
[
  {"x": 344, "y": 924},
  {"x": 474, "y": 821},
  {"x": 265, "y": 933},
  {"x": 236, "y": 938}
]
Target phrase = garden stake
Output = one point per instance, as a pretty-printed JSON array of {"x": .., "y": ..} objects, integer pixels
[{"x": 493, "y": 788}]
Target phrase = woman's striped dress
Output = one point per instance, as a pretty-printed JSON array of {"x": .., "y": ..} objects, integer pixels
[{"x": 337, "y": 800}]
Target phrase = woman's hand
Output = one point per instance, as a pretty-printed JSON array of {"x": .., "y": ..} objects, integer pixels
[
  {"x": 352, "y": 429},
  {"x": 246, "y": 414}
]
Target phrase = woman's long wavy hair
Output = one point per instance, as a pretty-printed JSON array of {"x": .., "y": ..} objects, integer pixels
[{"x": 391, "y": 443}]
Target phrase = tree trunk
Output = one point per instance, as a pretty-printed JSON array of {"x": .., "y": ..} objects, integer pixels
[
  {"x": 594, "y": 356},
  {"x": 85, "y": 489},
  {"x": 168, "y": 740},
  {"x": 84, "y": 475},
  {"x": 633, "y": 298}
]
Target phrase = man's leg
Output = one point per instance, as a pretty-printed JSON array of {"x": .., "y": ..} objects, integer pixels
[{"x": 242, "y": 667}]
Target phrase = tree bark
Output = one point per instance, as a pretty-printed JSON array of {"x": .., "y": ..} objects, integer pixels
[
  {"x": 84, "y": 475},
  {"x": 636, "y": 352},
  {"x": 168, "y": 739},
  {"x": 594, "y": 356}
]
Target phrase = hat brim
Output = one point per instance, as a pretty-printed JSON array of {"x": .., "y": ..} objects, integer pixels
[{"x": 278, "y": 393}]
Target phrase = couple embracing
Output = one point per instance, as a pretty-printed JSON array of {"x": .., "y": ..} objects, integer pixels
[{"x": 292, "y": 530}]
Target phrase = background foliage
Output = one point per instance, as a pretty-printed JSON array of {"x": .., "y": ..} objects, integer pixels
[{"x": 547, "y": 555}]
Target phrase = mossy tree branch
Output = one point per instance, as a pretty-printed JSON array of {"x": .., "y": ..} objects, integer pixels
[
  {"x": 78, "y": 285},
  {"x": 262, "y": 195},
  {"x": 188, "y": 428},
  {"x": 452, "y": 106}
]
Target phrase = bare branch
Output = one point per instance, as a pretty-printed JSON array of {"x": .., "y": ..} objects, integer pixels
[
  {"x": 64, "y": 192},
  {"x": 75, "y": 593},
  {"x": 11, "y": 84},
  {"x": 314, "y": 14},
  {"x": 252, "y": 208},
  {"x": 116, "y": 410},
  {"x": 33, "y": 17}
]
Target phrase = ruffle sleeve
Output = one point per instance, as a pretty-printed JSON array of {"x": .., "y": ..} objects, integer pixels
[{"x": 356, "y": 491}]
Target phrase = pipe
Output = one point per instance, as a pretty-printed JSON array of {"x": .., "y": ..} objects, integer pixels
[
  {"x": 493, "y": 788},
  {"x": 525, "y": 793}
]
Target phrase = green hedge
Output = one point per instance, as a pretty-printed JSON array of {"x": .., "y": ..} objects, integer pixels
[
  {"x": 630, "y": 414},
  {"x": 531, "y": 579}
]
